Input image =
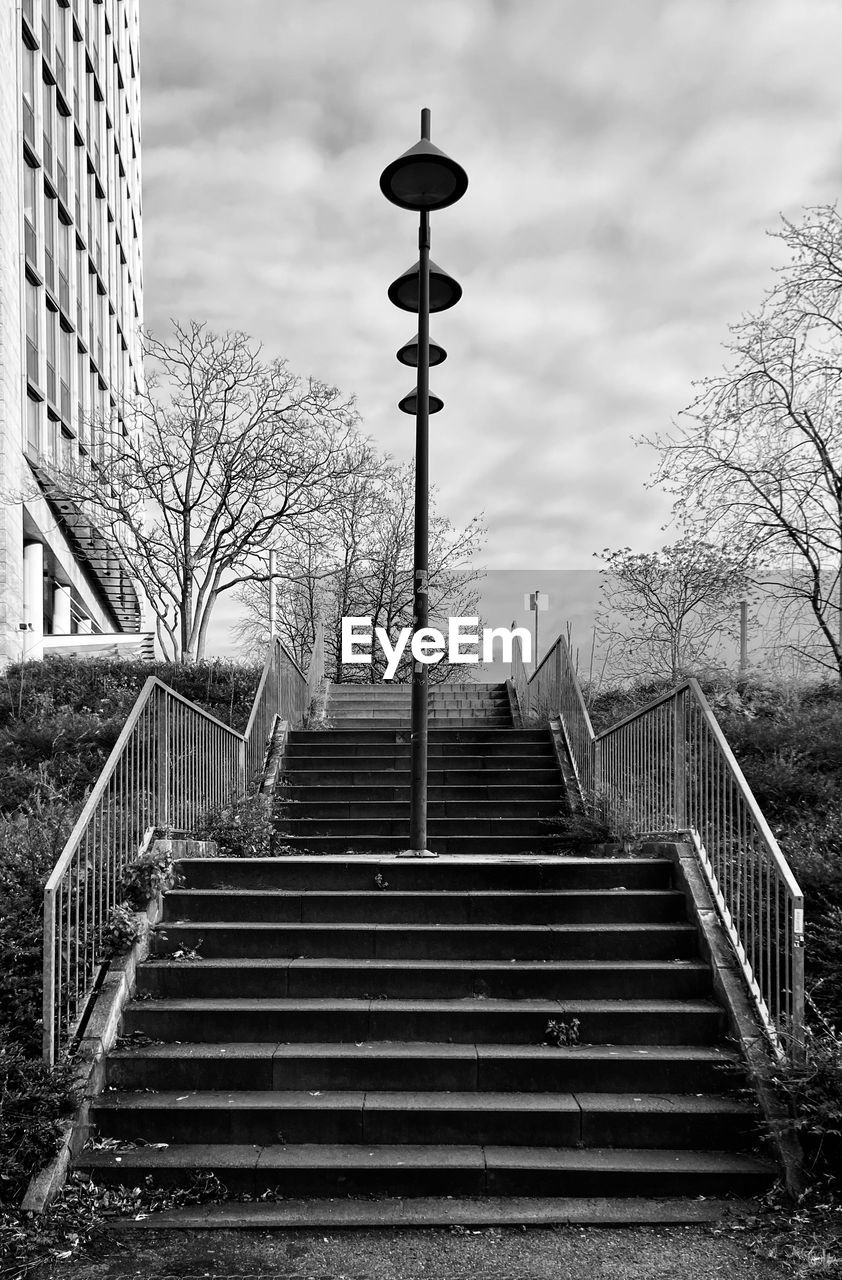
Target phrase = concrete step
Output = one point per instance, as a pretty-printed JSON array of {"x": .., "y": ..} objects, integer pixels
[
  {"x": 318, "y": 1213},
  {"x": 438, "y": 906},
  {"x": 358, "y": 830},
  {"x": 384, "y": 792},
  {"x": 425, "y": 979},
  {"x": 446, "y": 873},
  {"x": 474, "y": 1021},
  {"x": 440, "y": 736},
  {"x": 389, "y": 689},
  {"x": 403, "y": 705},
  {"x": 332, "y": 773},
  {"x": 346, "y": 1169},
  {"x": 448, "y": 803},
  {"x": 348, "y": 723},
  {"x": 337, "y": 713},
  {"x": 635, "y": 1069},
  {"x": 470, "y": 846},
  {"x": 216, "y": 940},
  {"x": 381, "y": 1116},
  {"x": 464, "y": 758}
]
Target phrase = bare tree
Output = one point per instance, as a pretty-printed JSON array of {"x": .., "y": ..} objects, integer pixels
[
  {"x": 362, "y": 567},
  {"x": 666, "y": 612},
  {"x": 227, "y": 454},
  {"x": 757, "y": 458}
]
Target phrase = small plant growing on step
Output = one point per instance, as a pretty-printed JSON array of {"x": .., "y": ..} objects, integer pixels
[
  {"x": 151, "y": 873},
  {"x": 562, "y": 1034},
  {"x": 121, "y": 930},
  {"x": 380, "y": 881},
  {"x": 241, "y": 829}
]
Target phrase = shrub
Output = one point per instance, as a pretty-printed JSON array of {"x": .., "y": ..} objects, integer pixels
[
  {"x": 30, "y": 844},
  {"x": 122, "y": 928},
  {"x": 151, "y": 873},
  {"x": 60, "y": 718},
  {"x": 814, "y": 1095},
  {"x": 33, "y": 1099},
  {"x": 241, "y": 829}
]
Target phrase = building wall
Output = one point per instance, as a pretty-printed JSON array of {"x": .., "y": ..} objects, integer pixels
[
  {"x": 70, "y": 282},
  {"x": 11, "y": 338}
]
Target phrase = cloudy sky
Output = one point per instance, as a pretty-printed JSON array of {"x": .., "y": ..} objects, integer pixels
[{"x": 625, "y": 160}]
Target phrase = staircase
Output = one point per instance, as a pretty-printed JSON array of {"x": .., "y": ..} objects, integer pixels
[
  {"x": 492, "y": 788},
  {"x": 475, "y": 1025}
]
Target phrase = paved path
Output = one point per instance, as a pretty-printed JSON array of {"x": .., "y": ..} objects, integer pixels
[{"x": 568, "y": 1253}]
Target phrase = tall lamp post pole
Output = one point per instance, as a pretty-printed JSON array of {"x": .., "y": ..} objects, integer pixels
[{"x": 422, "y": 179}]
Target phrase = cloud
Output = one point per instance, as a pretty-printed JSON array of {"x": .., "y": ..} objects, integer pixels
[{"x": 624, "y": 162}]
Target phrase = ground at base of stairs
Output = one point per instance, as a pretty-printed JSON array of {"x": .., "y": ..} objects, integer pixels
[{"x": 454, "y": 1253}]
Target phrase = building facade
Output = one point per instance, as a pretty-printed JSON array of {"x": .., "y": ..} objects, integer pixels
[{"x": 71, "y": 282}]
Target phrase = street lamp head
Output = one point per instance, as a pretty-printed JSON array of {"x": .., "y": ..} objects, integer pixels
[
  {"x": 409, "y": 404},
  {"x": 444, "y": 290},
  {"x": 423, "y": 178},
  {"x": 408, "y": 353}
]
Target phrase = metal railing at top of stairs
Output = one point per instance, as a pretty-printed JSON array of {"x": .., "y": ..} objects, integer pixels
[
  {"x": 171, "y": 763},
  {"x": 284, "y": 692},
  {"x": 668, "y": 767}
]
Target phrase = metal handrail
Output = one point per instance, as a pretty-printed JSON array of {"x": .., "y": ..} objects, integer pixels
[
  {"x": 171, "y": 763},
  {"x": 316, "y": 668},
  {"x": 520, "y": 680},
  {"x": 554, "y": 690},
  {"x": 282, "y": 694},
  {"x": 668, "y": 767}
]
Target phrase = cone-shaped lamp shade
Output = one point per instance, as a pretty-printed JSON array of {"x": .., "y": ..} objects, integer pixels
[
  {"x": 423, "y": 178},
  {"x": 409, "y": 404},
  {"x": 408, "y": 353},
  {"x": 444, "y": 290}
]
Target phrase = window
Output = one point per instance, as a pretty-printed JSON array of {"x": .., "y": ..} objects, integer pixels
[
  {"x": 32, "y": 332},
  {"x": 47, "y": 123},
  {"x": 52, "y": 441},
  {"x": 91, "y": 312},
  {"x": 33, "y": 424},
  {"x": 100, "y": 331},
  {"x": 81, "y": 379},
  {"x": 78, "y": 75},
  {"x": 30, "y": 214},
  {"x": 46, "y": 26},
  {"x": 65, "y": 458},
  {"x": 60, "y": 29},
  {"x": 93, "y": 417},
  {"x": 77, "y": 158},
  {"x": 65, "y": 363},
  {"x": 49, "y": 243},
  {"x": 91, "y": 212},
  {"x": 29, "y": 95},
  {"x": 62, "y": 146},
  {"x": 64, "y": 267},
  {"x": 51, "y": 345}
]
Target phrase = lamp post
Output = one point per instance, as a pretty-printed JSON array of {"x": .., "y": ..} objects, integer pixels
[{"x": 423, "y": 179}]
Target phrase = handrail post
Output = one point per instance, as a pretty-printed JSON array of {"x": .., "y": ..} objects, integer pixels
[
  {"x": 599, "y": 801},
  {"x": 679, "y": 779},
  {"x": 49, "y": 979},
  {"x": 163, "y": 749},
  {"x": 241, "y": 766},
  {"x": 798, "y": 1047}
]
